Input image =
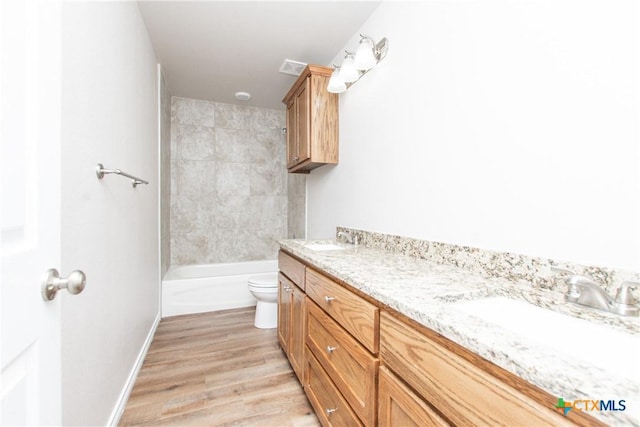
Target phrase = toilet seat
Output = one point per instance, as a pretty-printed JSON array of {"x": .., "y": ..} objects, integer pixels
[{"x": 266, "y": 280}]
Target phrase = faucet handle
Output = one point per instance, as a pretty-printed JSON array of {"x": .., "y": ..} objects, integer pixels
[
  {"x": 623, "y": 296},
  {"x": 624, "y": 303}
]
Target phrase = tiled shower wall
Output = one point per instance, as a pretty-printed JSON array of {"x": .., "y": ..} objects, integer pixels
[{"x": 231, "y": 198}]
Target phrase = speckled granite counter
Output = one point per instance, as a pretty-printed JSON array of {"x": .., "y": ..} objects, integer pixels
[{"x": 428, "y": 292}]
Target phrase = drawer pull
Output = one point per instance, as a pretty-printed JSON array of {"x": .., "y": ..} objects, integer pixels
[
  {"x": 331, "y": 349},
  {"x": 328, "y": 299},
  {"x": 330, "y": 411}
]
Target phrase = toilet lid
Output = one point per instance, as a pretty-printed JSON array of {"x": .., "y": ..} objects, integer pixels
[{"x": 266, "y": 280}]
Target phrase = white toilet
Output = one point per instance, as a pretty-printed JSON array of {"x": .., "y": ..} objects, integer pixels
[{"x": 264, "y": 287}]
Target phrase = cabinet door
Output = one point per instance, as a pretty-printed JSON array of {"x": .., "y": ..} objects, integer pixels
[
  {"x": 400, "y": 407},
  {"x": 298, "y": 332},
  {"x": 303, "y": 104},
  {"x": 284, "y": 311},
  {"x": 292, "y": 134}
]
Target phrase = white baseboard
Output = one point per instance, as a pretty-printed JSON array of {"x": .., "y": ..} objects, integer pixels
[{"x": 118, "y": 410}]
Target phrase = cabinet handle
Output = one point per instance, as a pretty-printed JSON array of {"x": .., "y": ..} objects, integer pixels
[
  {"x": 328, "y": 299},
  {"x": 330, "y": 411},
  {"x": 296, "y": 158},
  {"x": 331, "y": 349}
]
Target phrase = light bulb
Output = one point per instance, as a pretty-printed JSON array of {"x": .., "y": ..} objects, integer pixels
[
  {"x": 348, "y": 71},
  {"x": 365, "y": 59},
  {"x": 336, "y": 84}
]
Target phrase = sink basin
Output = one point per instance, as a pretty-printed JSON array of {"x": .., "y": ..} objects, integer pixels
[
  {"x": 324, "y": 246},
  {"x": 570, "y": 336}
]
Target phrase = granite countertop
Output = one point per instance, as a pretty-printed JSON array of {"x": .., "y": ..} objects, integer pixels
[{"x": 429, "y": 293}]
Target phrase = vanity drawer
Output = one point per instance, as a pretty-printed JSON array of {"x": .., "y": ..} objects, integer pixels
[
  {"x": 464, "y": 393},
  {"x": 292, "y": 268},
  {"x": 330, "y": 406},
  {"x": 359, "y": 317},
  {"x": 400, "y": 407},
  {"x": 352, "y": 368}
]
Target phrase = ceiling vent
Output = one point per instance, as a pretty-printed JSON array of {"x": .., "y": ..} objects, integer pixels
[{"x": 292, "y": 67}]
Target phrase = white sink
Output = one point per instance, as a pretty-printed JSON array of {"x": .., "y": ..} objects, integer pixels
[
  {"x": 573, "y": 337},
  {"x": 324, "y": 246}
]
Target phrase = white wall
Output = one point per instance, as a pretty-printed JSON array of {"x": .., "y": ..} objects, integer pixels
[
  {"x": 502, "y": 125},
  {"x": 164, "y": 128},
  {"x": 109, "y": 230}
]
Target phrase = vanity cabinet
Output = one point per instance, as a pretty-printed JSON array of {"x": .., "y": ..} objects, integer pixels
[
  {"x": 463, "y": 393},
  {"x": 291, "y": 311},
  {"x": 342, "y": 337},
  {"x": 312, "y": 121},
  {"x": 363, "y": 363}
]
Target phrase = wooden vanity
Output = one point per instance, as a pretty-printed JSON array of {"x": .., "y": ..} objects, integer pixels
[{"x": 363, "y": 363}]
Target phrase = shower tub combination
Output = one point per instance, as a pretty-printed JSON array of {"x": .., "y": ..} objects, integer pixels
[{"x": 210, "y": 287}]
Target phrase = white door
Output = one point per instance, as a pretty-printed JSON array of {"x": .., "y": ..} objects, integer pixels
[{"x": 30, "y": 212}]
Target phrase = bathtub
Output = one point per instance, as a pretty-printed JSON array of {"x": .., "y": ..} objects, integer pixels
[{"x": 210, "y": 287}]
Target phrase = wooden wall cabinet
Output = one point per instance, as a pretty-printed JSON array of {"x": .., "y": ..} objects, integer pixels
[{"x": 312, "y": 121}]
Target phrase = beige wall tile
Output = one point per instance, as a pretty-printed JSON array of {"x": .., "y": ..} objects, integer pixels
[
  {"x": 231, "y": 198},
  {"x": 193, "y": 112}
]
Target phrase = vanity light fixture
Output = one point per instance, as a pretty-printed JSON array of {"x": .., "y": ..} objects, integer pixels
[
  {"x": 348, "y": 71},
  {"x": 354, "y": 66},
  {"x": 336, "y": 83}
]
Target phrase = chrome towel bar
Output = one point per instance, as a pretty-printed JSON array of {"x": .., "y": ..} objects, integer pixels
[{"x": 101, "y": 172}]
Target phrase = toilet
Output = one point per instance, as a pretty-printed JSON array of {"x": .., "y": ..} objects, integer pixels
[{"x": 264, "y": 287}]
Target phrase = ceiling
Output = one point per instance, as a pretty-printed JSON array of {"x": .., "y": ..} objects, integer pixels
[{"x": 210, "y": 50}]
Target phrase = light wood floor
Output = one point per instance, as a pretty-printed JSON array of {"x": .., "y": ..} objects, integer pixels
[{"x": 216, "y": 369}]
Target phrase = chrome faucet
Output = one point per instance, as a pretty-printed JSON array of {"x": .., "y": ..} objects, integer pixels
[
  {"x": 584, "y": 291},
  {"x": 350, "y": 238}
]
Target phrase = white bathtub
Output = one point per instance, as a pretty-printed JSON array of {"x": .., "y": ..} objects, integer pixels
[{"x": 210, "y": 287}]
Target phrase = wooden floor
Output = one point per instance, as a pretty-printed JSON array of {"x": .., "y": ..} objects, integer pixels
[{"x": 216, "y": 369}]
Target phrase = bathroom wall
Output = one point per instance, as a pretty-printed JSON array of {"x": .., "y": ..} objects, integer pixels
[
  {"x": 510, "y": 126},
  {"x": 229, "y": 192},
  {"x": 108, "y": 229},
  {"x": 165, "y": 171},
  {"x": 296, "y": 206}
]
